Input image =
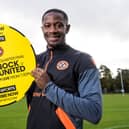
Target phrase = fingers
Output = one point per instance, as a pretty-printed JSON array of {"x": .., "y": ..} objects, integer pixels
[
  {"x": 41, "y": 77},
  {"x": 38, "y": 65},
  {"x": 38, "y": 72}
]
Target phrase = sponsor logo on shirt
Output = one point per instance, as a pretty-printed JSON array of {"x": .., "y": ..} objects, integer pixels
[{"x": 62, "y": 65}]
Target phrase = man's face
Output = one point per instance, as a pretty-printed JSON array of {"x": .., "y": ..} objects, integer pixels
[{"x": 54, "y": 28}]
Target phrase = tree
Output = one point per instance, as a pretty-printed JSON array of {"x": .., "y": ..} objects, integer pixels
[{"x": 106, "y": 78}]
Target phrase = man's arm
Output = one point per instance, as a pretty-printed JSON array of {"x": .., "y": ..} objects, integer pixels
[{"x": 88, "y": 105}]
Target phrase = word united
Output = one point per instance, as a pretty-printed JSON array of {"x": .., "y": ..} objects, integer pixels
[{"x": 11, "y": 67}]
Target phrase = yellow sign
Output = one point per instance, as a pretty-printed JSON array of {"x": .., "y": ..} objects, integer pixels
[{"x": 17, "y": 60}]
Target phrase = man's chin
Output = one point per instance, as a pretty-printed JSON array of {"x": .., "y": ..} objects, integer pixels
[{"x": 54, "y": 44}]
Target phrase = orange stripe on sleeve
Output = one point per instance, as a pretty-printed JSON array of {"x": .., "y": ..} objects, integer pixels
[
  {"x": 64, "y": 119},
  {"x": 29, "y": 108}
]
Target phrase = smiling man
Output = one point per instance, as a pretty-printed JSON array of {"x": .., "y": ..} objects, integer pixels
[
  {"x": 55, "y": 26},
  {"x": 67, "y": 88}
]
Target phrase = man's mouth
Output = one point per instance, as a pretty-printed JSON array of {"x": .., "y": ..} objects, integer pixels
[{"x": 54, "y": 38}]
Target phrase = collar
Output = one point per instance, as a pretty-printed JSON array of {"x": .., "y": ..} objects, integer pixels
[{"x": 59, "y": 49}]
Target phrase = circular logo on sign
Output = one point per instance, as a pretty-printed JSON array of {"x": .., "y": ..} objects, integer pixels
[
  {"x": 62, "y": 65},
  {"x": 1, "y": 51},
  {"x": 17, "y": 60}
]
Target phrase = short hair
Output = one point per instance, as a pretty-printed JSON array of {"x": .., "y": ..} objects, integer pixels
[{"x": 56, "y": 11}]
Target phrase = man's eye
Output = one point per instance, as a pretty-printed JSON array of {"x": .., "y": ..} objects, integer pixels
[
  {"x": 46, "y": 26},
  {"x": 59, "y": 25}
]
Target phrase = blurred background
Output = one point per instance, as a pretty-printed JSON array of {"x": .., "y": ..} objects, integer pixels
[{"x": 98, "y": 27}]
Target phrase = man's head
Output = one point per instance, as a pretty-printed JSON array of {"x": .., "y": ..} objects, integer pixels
[{"x": 55, "y": 26}]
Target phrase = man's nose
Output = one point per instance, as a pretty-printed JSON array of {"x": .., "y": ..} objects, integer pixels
[{"x": 53, "y": 28}]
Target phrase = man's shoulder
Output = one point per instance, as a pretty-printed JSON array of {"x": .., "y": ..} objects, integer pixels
[
  {"x": 81, "y": 55},
  {"x": 84, "y": 59},
  {"x": 40, "y": 54}
]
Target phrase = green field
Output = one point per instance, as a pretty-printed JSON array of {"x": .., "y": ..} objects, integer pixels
[{"x": 115, "y": 114}]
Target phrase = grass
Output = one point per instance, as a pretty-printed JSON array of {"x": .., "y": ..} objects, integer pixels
[
  {"x": 14, "y": 116},
  {"x": 115, "y": 114}
]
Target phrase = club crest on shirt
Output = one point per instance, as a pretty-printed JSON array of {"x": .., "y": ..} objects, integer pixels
[{"x": 62, "y": 65}]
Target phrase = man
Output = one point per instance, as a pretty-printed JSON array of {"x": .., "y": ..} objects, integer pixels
[{"x": 66, "y": 89}]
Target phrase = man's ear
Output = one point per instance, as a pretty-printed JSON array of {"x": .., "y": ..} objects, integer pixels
[
  {"x": 68, "y": 28},
  {"x": 42, "y": 28}
]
